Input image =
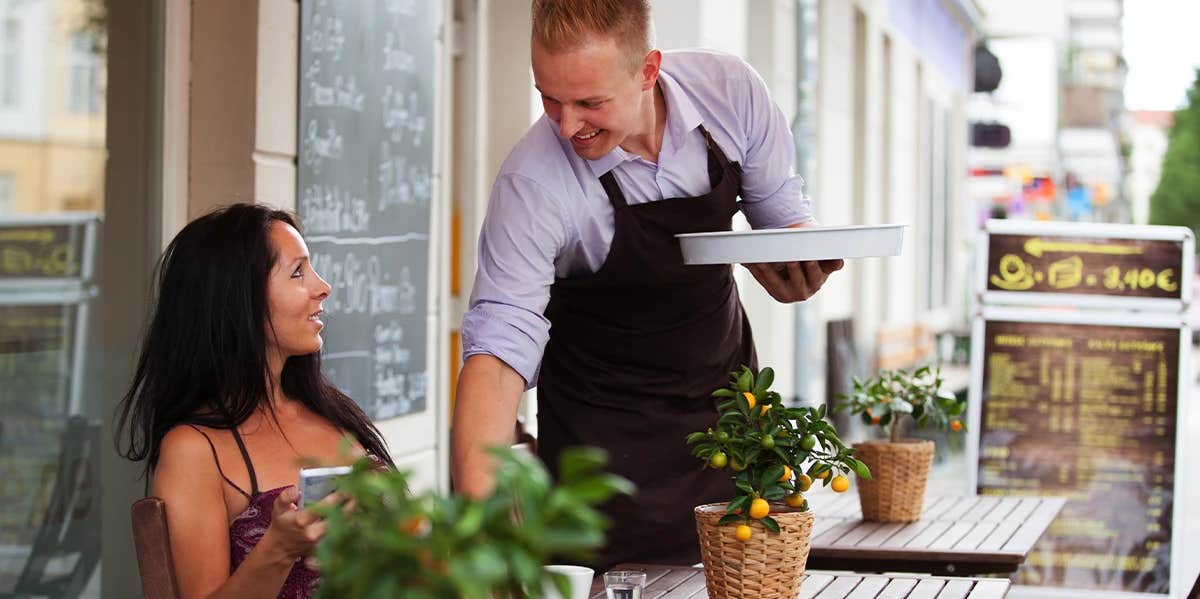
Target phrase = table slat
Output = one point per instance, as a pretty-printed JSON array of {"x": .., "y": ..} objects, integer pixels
[
  {"x": 898, "y": 588},
  {"x": 907, "y": 533},
  {"x": 998, "y": 537},
  {"x": 927, "y": 589},
  {"x": 833, "y": 533},
  {"x": 981, "y": 508},
  {"x": 693, "y": 586},
  {"x": 978, "y": 533},
  {"x": 1032, "y": 528},
  {"x": 882, "y": 534},
  {"x": 953, "y": 535},
  {"x": 839, "y": 588},
  {"x": 813, "y": 584},
  {"x": 989, "y": 589},
  {"x": 856, "y": 534},
  {"x": 956, "y": 589},
  {"x": 929, "y": 535},
  {"x": 869, "y": 588}
]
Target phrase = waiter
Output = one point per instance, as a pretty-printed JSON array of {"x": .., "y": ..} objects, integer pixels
[{"x": 581, "y": 288}]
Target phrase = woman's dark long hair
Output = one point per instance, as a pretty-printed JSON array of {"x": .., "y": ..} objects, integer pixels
[{"x": 204, "y": 357}]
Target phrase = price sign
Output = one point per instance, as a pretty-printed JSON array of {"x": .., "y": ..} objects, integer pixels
[
  {"x": 46, "y": 250},
  {"x": 1085, "y": 264},
  {"x": 1074, "y": 405}
]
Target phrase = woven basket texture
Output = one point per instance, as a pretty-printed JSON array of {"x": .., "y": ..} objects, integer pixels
[
  {"x": 896, "y": 489},
  {"x": 768, "y": 566}
]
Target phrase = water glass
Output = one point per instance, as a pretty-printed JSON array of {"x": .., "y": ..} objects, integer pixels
[{"x": 624, "y": 584}]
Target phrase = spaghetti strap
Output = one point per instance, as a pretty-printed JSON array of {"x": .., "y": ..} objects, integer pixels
[
  {"x": 218, "y": 462},
  {"x": 249, "y": 465}
]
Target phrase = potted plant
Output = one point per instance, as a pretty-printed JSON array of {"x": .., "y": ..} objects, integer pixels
[
  {"x": 756, "y": 544},
  {"x": 900, "y": 467},
  {"x": 394, "y": 544}
]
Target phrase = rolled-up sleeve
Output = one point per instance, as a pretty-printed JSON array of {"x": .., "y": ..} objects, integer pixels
[
  {"x": 522, "y": 235},
  {"x": 772, "y": 194}
]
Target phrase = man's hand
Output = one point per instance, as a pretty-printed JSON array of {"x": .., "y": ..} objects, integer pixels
[{"x": 789, "y": 282}]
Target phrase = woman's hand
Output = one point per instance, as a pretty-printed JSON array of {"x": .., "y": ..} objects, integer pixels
[{"x": 294, "y": 531}]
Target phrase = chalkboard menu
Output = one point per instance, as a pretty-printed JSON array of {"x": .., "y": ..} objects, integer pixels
[
  {"x": 1085, "y": 411},
  {"x": 365, "y": 169},
  {"x": 1086, "y": 265}
]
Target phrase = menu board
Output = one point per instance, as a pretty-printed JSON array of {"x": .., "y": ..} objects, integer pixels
[
  {"x": 37, "y": 358},
  {"x": 1120, "y": 267},
  {"x": 1088, "y": 412},
  {"x": 365, "y": 177}
]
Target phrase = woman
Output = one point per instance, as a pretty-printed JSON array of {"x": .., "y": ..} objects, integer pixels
[{"x": 228, "y": 402}]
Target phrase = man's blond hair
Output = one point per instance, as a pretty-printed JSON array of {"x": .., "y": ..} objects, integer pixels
[{"x": 561, "y": 25}]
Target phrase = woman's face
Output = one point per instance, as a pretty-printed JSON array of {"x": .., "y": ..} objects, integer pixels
[{"x": 294, "y": 296}]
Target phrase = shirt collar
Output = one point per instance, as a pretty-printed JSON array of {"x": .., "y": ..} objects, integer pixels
[{"x": 682, "y": 118}]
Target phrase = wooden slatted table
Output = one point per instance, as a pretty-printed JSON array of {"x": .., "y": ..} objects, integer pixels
[
  {"x": 684, "y": 582},
  {"x": 957, "y": 535}
]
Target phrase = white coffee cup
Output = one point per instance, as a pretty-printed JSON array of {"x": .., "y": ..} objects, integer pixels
[{"x": 579, "y": 577}]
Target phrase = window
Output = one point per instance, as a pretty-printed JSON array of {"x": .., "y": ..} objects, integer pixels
[
  {"x": 83, "y": 96},
  {"x": 10, "y": 49}
]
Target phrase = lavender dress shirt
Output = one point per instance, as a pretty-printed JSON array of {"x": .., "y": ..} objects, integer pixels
[{"x": 548, "y": 215}]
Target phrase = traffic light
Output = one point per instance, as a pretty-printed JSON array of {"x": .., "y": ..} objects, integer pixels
[{"x": 990, "y": 135}]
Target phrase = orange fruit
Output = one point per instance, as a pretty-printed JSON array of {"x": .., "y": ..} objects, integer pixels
[
  {"x": 718, "y": 460},
  {"x": 736, "y": 465},
  {"x": 955, "y": 425},
  {"x": 763, "y": 411},
  {"x": 824, "y": 474},
  {"x": 412, "y": 525},
  {"x": 759, "y": 508},
  {"x": 803, "y": 482},
  {"x": 839, "y": 484},
  {"x": 795, "y": 500},
  {"x": 749, "y": 398},
  {"x": 742, "y": 533},
  {"x": 787, "y": 474}
]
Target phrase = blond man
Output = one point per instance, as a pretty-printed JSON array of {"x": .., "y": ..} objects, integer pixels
[{"x": 581, "y": 288}]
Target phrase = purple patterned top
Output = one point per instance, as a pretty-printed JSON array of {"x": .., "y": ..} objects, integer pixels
[{"x": 248, "y": 529}]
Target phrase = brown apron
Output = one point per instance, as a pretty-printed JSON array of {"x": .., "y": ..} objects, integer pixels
[{"x": 635, "y": 350}]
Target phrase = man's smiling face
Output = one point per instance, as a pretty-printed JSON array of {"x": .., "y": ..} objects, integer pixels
[{"x": 591, "y": 93}]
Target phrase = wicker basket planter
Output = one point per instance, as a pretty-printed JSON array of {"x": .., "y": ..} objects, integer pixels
[
  {"x": 896, "y": 490},
  {"x": 768, "y": 566}
]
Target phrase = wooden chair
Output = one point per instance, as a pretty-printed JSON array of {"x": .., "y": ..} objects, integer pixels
[{"x": 153, "y": 544}]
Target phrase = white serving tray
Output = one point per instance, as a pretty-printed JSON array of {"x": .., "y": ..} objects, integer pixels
[{"x": 792, "y": 245}]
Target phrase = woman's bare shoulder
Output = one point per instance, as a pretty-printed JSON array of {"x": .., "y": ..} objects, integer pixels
[{"x": 186, "y": 449}]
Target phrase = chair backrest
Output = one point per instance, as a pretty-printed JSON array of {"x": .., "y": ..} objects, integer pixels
[
  {"x": 69, "y": 531},
  {"x": 153, "y": 544}
]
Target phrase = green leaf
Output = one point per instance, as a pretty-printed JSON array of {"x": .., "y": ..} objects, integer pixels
[
  {"x": 770, "y": 524},
  {"x": 738, "y": 503},
  {"x": 580, "y": 461},
  {"x": 766, "y": 376},
  {"x": 774, "y": 493},
  {"x": 772, "y": 475},
  {"x": 729, "y": 519},
  {"x": 724, "y": 393},
  {"x": 695, "y": 437},
  {"x": 743, "y": 485},
  {"x": 861, "y": 470},
  {"x": 743, "y": 379}
]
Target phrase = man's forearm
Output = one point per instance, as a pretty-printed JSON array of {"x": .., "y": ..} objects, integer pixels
[{"x": 485, "y": 414}]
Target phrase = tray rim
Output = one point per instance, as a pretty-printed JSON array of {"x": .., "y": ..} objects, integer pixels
[{"x": 796, "y": 230}]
